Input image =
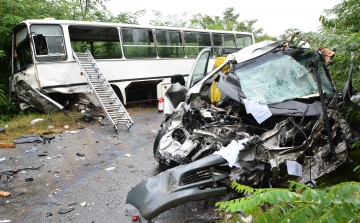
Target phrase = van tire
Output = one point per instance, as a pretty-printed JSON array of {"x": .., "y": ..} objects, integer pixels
[{"x": 161, "y": 133}]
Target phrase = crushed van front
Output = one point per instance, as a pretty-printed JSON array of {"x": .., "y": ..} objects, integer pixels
[{"x": 272, "y": 99}]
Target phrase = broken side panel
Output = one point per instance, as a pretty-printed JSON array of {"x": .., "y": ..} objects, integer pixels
[{"x": 35, "y": 98}]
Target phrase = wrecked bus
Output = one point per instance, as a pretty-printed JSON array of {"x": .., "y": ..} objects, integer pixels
[
  {"x": 276, "y": 119},
  {"x": 136, "y": 60}
]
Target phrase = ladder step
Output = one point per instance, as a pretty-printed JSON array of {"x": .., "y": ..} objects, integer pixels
[{"x": 112, "y": 106}]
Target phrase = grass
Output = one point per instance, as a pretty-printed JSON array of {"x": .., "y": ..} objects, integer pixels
[{"x": 51, "y": 124}]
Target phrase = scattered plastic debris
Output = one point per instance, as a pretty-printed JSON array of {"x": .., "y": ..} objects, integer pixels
[
  {"x": 47, "y": 139},
  {"x": 9, "y": 173},
  {"x": 247, "y": 219},
  {"x": 127, "y": 154},
  {"x": 28, "y": 139},
  {"x": 7, "y": 145},
  {"x": 36, "y": 120},
  {"x": 135, "y": 217},
  {"x": 83, "y": 204},
  {"x": 43, "y": 154},
  {"x": 29, "y": 179},
  {"x": 74, "y": 132},
  {"x": 65, "y": 210},
  {"x": 80, "y": 154},
  {"x": 34, "y": 149},
  {"x": 110, "y": 168},
  {"x": 3, "y": 130},
  {"x": 4, "y": 194},
  {"x": 2, "y": 159}
]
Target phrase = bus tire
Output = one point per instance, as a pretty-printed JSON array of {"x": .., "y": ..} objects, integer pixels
[{"x": 157, "y": 154}]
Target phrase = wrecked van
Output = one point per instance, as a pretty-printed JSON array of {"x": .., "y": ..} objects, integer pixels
[{"x": 263, "y": 116}]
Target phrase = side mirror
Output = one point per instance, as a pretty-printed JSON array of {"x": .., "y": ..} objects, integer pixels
[{"x": 178, "y": 78}]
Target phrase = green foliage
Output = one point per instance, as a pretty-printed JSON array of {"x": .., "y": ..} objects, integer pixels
[
  {"x": 171, "y": 20},
  {"x": 229, "y": 21},
  {"x": 298, "y": 203},
  {"x": 357, "y": 170},
  {"x": 3, "y": 98},
  {"x": 341, "y": 32},
  {"x": 127, "y": 17},
  {"x": 351, "y": 114}
]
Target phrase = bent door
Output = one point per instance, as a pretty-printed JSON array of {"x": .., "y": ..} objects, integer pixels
[{"x": 199, "y": 69}]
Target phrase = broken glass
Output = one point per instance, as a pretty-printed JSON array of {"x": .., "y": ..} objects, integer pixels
[{"x": 274, "y": 78}]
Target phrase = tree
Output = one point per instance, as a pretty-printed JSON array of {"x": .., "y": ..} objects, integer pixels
[
  {"x": 128, "y": 17},
  {"x": 229, "y": 21},
  {"x": 341, "y": 31},
  {"x": 172, "y": 20},
  {"x": 299, "y": 203}
]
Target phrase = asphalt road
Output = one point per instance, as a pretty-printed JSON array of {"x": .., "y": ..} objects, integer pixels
[{"x": 69, "y": 187}]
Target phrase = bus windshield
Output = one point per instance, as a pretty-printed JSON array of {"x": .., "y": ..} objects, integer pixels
[{"x": 49, "y": 42}]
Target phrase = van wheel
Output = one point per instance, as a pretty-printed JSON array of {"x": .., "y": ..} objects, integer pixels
[{"x": 156, "y": 148}]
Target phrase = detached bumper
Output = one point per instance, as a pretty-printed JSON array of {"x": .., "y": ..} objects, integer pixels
[{"x": 177, "y": 186}]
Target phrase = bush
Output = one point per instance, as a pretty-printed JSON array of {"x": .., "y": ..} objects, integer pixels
[{"x": 299, "y": 203}]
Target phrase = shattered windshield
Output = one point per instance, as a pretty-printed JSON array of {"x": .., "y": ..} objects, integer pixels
[{"x": 275, "y": 77}]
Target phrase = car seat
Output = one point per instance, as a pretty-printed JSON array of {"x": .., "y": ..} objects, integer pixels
[{"x": 215, "y": 94}]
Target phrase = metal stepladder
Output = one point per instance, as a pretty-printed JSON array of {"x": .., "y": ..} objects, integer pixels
[{"x": 110, "y": 102}]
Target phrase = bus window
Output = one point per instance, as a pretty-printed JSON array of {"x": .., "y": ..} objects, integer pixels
[
  {"x": 243, "y": 41},
  {"x": 103, "y": 42},
  {"x": 195, "y": 42},
  {"x": 224, "y": 40},
  {"x": 138, "y": 43},
  {"x": 169, "y": 44},
  {"x": 22, "y": 53},
  {"x": 49, "y": 42},
  {"x": 248, "y": 40}
]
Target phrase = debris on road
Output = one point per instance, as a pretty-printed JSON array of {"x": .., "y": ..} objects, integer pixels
[
  {"x": 28, "y": 139},
  {"x": 65, "y": 210},
  {"x": 7, "y": 145},
  {"x": 43, "y": 154},
  {"x": 34, "y": 149},
  {"x": 36, "y": 120},
  {"x": 9, "y": 173},
  {"x": 47, "y": 139},
  {"x": 135, "y": 217},
  {"x": 80, "y": 154},
  {"x": 4, "y": 194},
  {"x": 110, "y": 168},
  {"x": 29, "y": 179}
]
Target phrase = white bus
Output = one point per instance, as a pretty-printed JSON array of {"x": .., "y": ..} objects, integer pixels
[{"x": 138, "y": 61}]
